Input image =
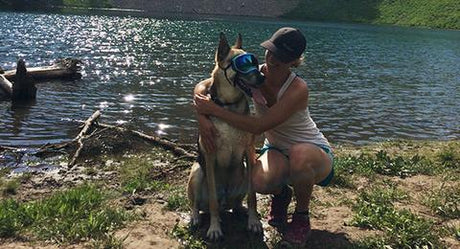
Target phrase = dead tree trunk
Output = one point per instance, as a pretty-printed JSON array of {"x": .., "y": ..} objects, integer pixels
[{"x": 24, "y": 85}]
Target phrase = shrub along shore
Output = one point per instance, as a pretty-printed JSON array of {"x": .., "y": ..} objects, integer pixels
[
  {"x": 443, "y": 14},
  {"x": 399, "y": 194}
]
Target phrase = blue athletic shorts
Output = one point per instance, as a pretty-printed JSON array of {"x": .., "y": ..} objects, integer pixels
[{"x": 325, "y": 148}]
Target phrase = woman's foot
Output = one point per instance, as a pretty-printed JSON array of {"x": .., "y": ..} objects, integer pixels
[
  {"x": 277, "y": 216},
  {"x": 298, "y": 230}
]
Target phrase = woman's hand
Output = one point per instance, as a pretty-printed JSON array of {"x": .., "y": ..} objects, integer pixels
[
  {"x": 208, "y": 133},
  {"x": 204, "y": 105}
]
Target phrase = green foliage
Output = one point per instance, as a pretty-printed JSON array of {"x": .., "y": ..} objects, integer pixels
[
  {"x": 44, "y": 4},
  {"x": 110, "y": 242},
  {"x": 87, "y": 3},
  {"x": 445, "y": 201},
  {"x": 177, "y": 200},
  {"x": 136, "y": 172},
  {"x": 12, "y": 218},
  {"x": 398, "y": 166},
  {"x": 380, "y": 163},
  {"x": 352, "y": 10},
  {"x": 429, "y": 13},
  {"x": 9, "y": 187},
  {"x": 27, "y": 4},
  {"x": 449, "y": 158},
  {"x": 402, "y": 229},
  {"x": 186, "y": 238},
  {"x": 69, "y": 216}
]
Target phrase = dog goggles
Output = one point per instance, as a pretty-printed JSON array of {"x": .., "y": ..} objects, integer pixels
[{"x": 245, "y": 63}]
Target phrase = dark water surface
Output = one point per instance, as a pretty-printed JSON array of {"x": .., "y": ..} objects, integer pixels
[{"x": 367, "y": 83}]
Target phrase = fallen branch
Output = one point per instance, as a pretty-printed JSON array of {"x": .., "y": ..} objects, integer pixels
[
  {"x": 181, "y": 152},
  {"x": 166, "y": 144},
  {"x": 7, "y": 148},
  {"x": 82, "y": 135}
]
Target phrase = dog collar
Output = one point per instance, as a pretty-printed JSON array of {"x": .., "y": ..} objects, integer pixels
[{"x": 219, "y": 102}]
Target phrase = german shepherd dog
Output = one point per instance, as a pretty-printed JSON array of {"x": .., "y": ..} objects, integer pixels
[{"x": 220, "y": 180}]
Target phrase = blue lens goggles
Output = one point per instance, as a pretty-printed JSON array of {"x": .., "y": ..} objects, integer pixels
[{"x": 245, "y": 63}]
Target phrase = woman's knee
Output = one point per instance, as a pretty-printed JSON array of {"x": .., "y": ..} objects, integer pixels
[
  {"x": 308, "y": 161},
  {"x": 264, "y": 182}
]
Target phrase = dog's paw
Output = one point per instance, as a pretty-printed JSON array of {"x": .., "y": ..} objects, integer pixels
[
  {"x": 195, "y": 221},
  {"x": 254, "y": 224},
  {"x": 214, "y": 233},
  {"x": 195, "y": 218}
]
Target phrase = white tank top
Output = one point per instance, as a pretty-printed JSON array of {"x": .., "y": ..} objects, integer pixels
[{"x": 298, "y": 128}]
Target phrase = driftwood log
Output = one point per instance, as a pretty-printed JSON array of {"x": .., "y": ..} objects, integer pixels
[
  {"x": 62, "y": 69},
  {"x": 19, "y": 84},
  {"x": 6, "y": 87}
]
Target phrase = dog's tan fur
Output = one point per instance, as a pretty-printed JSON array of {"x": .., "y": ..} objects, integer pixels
[{"x": 221, "y": 180}]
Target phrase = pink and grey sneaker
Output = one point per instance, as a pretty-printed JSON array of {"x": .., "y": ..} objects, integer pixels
[
  {"x": 299, "y": 230},
  {"x": 277, "y": 216}
]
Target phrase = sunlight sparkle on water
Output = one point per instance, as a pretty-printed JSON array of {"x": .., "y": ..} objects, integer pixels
[
  {"x": 103, "y": 105},
  {"x": 161, "y": 128},
  {"x": 120, "y": 122},
  {"x": 129, "y": 98}
]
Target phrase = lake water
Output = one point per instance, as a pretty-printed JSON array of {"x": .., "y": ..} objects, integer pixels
[{"x": 367, "y": 83}]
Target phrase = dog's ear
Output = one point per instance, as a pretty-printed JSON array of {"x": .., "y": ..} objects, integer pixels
[
  {"x": 223, "y": 49},
  {"x": 239, "y": 42}
]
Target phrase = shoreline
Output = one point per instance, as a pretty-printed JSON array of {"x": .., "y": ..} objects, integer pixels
[
  {"x": 119, "y": 11},
  {"x": 149, "y": 184}
]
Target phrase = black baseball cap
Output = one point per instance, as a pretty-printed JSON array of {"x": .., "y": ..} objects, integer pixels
[{"x": 287, "y": 44}]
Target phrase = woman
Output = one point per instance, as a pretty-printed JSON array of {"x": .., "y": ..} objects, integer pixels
[{"x": 295, "y": 152}]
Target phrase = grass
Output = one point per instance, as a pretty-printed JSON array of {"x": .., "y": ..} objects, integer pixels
[
  {"x": 137, "y": 175},
  {"x": 449, "y": 158},
  {"x": 137, "y": 171},
  {"x": 9, "y": 187},
  {"x": 444, "y": 201},
  {"x": 374, "y": 209},
  {"x": 111, "y": 242},
  {"x": 177, "y": 200},
  {"x": 84, "y": 213},
  {"x": 70, "y": 216},
  {"x": 381, "y": 163},
  {"x": 187, "y": 239},
  {"x": 397, "y": 158}
]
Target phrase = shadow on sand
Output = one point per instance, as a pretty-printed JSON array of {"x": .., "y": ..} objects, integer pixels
[{"x": 236, "y": 236}]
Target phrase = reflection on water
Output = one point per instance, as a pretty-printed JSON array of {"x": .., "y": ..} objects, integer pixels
[
  {"x": 366, "y": 83},
  {"x": 20, "y": 112}
]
